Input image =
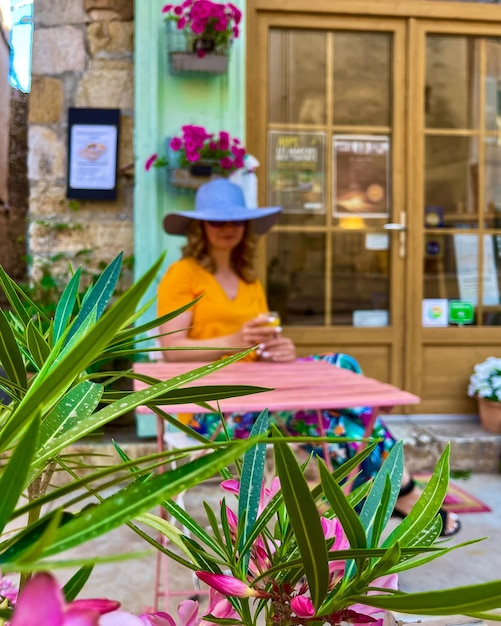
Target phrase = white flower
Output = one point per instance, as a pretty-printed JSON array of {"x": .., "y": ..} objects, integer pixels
[{"x": 485, "y": 382}]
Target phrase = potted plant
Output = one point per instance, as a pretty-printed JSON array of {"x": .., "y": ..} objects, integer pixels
[
  {"x": 196, "y": 156},
  {"x": 199, "y": 35},
  {"x": 485, "y": 386}
]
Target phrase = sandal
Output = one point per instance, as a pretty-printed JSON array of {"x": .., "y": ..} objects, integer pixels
[{"x": 406, "y": 490}]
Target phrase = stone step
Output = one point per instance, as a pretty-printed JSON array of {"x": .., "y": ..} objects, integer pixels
[{"x": 425, "y": 437}]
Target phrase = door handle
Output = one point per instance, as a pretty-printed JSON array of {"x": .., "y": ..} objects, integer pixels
[
  {"x": 400, "y": 228},
  {"x": 394, "y": 226}
]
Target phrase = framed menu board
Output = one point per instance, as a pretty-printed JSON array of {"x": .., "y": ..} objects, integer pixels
[
  {"x": 361, "y": 165},
  {"x": 92, "y": 153}
]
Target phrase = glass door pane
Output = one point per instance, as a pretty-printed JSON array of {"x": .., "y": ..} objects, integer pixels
[
  {"x": 328, "y": 89},
  {"x": 462, "y": 212}
]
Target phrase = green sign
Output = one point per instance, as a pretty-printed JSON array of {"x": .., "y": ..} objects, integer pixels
[{"x": 460, "y": 312}]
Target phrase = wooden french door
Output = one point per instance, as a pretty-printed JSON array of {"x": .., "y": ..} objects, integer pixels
[
  {"x": 380, "y": 137},
  {"x": 326, "y": 120}
]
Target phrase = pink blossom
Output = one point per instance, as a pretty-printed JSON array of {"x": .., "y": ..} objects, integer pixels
[
  {"x": 221, "y": 25},
  {"x": 236, "y": 32},
  {"x": 178, "y": 10},
  {"x": 175, "y": 144},
  {"x": 302, "y": 606},
  {"x": 198, "y": 26},
  {"x": 235, "y": 12},
  {"x": 181, "y": 23},
  {"x": 226, "y": 163},
  {"x": 228, "y": 585},
  {"x": 8, "y": 589},
  {"x": 167, "y": 8},
  {"x": 150, "y": 161},
  {"x": 42, "y": 603},
  {"x": 192, "y": 157}
]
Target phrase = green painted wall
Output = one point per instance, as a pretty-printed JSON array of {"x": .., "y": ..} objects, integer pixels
[{"x": 164, "y": 103}]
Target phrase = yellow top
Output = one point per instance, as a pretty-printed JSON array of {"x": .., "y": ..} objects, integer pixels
[{"x": 215, "y": 314}]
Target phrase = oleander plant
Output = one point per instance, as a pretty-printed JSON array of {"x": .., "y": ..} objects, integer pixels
[{"x": 278, "y": 549}]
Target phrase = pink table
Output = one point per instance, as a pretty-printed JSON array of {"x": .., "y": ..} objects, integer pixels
[{"x": 296, "y": 385}]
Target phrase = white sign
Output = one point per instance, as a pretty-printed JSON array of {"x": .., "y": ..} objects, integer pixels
[
  {"x": 435, "y": 312},
  {"x": 370, "y": 318},
  {"x": 376, "y": 241},
  {"x": 93, "y": 156},
  {"x": 466, "y": 252}
]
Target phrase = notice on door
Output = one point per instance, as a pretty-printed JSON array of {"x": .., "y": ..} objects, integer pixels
[
  {"x": 361, "y": 175},
  {"x": 466, "y": 253},
  {"x": 296, "y": 171}
]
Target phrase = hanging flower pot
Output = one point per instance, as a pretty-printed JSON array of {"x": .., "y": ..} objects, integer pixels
[
  {"x": 196, "y": 157},
  {"x": 199, "y": 35}
]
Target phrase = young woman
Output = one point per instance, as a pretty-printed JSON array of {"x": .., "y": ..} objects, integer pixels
[{"x": 218, "y": 266}]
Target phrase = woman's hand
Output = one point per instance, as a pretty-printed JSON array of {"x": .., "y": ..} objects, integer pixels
[
  {"x": 257, "y": 331},
  {"x": 278, "y": 349}
]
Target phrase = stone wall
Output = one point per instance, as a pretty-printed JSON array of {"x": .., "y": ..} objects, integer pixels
[
  {"x": 82, "y": 57},
  {"x": 4, "y": 111}
]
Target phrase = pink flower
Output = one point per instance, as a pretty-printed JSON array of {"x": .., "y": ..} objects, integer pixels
[
  {"x": 228, "y": 585},
  {"x": 181, "y": 23},
  {"x": 42, "y": 603},
  {"x": 167, "y": 8},
  {"x": 198, "y": 27},
  {"x": 175, "y": 144},
  {"x": 226, "y": 163},
  {"x": 150, "y": 161},
  {"x": 8, "y": 590},
  {"x": 302, "y": 606}
]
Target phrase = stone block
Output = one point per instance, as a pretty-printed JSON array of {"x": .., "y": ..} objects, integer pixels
[
  {"x": 47, "y": 154},
  {"x": 57, "y": 12},
  {"x": 110, "y": 37},
  {"x": 46, "y": 100},
  {"x": 122, "y": 9},
  {"x": 47, "y": 200},
  {"x": 58, "y": 49},
  {"x": 108, "y": 84},
  {"x": 126, "y": 148}
]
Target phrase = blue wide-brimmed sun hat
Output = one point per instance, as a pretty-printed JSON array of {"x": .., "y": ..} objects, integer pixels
[{"x": 221, "y": 201}]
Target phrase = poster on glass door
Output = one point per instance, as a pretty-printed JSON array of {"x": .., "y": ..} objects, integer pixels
[
  {"x": 296, "y": 171},
  {"x": 361, "y": 166}
]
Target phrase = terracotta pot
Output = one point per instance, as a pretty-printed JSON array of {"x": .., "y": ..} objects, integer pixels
[{"x": 490, "y": 415}]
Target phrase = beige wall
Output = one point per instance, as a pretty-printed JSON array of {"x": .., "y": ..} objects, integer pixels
[
  {"x": 82, "y": 57},
  {"x": 4, "y": 110}
]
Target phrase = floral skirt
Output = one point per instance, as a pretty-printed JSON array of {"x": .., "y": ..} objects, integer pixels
[{"x": 349, "y": 423}]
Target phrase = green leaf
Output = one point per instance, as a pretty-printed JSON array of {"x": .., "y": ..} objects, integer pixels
[
  {"x": 73, "y": 408},
  {"x": 304, "y": 519},
  {"x": 98, "y": 296},
  {"x": 10, "y": 289},
  {"x": 140, "y": 497},
  {"x": 66, "y": 305},
  {"x": 129, "y": 403},
  {"x": 251, "y": 484},
  {"x": 77, "y": 582},
  {"x": 38, "y": 347},
  {"x": 10, "y": 355},
  {"x": 13, "y": 476},
  {"x": 391, "y": 469},
  {"x": 347, "y": 516},
  {"x": 415, "y": 528},
  {"x": 456, "y": 601}
]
